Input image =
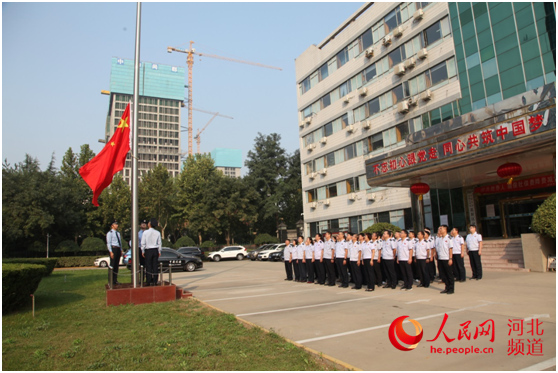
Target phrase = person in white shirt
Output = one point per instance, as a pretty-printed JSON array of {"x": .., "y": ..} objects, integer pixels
[
  {"x": 376, "y": 263},
  {"x": 341, "y": 256},
  {"x": 414, "y": 265},
  {"x": 431, "y": 265},
  {"x": 294, "y": 259},
  {"x": 367, "y": 261},
  {"x": 355, "y": 256},
  {"x": 151, "y": 246},
  {"x": 309, "y": 258},
  {"x": 423, "y": 252},
  {"x": 444, "y": 247},
  {"x": 404, "y": 259},
  {"x": 300, "y": 249},
  {"x": 458, "y": 254},
  {"x": 329, "y": 259},
  {"x": 287, "y": 252},
  {"x": 319, "y": 259},
  {"x": 388, "y": 259},
  {"x": 474, "y": 249}
]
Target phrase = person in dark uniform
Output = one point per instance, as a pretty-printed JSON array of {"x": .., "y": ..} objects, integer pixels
[
  {"x": 329, "y": 259},
  {"x": 368, "y": 260},
  {"x": 319, "y": 265},
  {"x": 444, "y": 247},
  {"x": 474, "y": 249},
  {"x": 300, "y": 252},
  {"x": 376, "y": 251},
  {"x": 114, "y": 245},
  {"x": 294, "y": 259},
  {"x": 341, "y": 256},
  {"x": 388, "y": 259},
  {"x": 423, "y": 257},
  {"x": 309, "y": 260},
  {"x": 431, "y": 265},
  {"x": 405, "y": 249},
  {"x": 151, "y": 246},
  {"x": 288, "y": 260},
  {"x": 458, "y": 253},
  {"x": 355, "y": 258}
]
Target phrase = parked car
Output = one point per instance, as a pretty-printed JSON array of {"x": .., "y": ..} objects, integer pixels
[
  {"x": 276, "y": 256},
  {"x": 127, "y": 257},
  {"x": 190, "y": 250},
  {"x": 172, "y": 258},
  {"x": 253, "y": 255},
  {"x": 264, "y": 254},
  {"x": 105, "y": 261},
  {"x": 229, "y": 252}
]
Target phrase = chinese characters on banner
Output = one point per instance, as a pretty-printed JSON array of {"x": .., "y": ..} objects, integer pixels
[
  {"x": 488, "y": 136},
  {"x": 525, "y": 337},
  {"x": 536, "y": 182}
]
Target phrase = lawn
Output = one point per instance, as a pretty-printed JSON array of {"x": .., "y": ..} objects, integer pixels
[{"x": 74, "y": 330}]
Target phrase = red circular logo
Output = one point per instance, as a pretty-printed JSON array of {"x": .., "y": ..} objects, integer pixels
[{"x": 396, "y": 329}]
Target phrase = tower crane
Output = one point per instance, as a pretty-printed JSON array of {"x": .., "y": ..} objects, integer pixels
[
  {"x": 197, "y": 137},
  {"x": 190, "y": 62}
]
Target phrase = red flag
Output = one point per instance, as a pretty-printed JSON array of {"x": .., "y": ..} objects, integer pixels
[{"x": 99, "y": 171}]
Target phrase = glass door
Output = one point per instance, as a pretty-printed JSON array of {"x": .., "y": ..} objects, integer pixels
[{"x": 518, "y": 215}]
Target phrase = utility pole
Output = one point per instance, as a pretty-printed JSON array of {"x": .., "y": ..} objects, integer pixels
[{"x": 48, "y": 242}]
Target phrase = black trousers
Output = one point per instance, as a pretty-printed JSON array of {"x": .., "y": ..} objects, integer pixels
[
  {"x": 407, "y": 274},
  {"x": 369, "y": 273},
  {"x": 342, "y": 268},
  {"x": 389, "y": 266},
  {"x": 446, "y": 274},
  {"x": 356, "y": 274},
  {"x": 377, "y": 272},
  {"x": 320, "y": 270},
  {"x": 383, "y": 269},
  {"x": 115, "y": 263},
  {"x": 310, "y": 270},
  {"x": 330, "y": 269},
  {"x": 415, "y": 268},
  {"x": 151, "y": 262},
  {"x": 458, "y": 267},
  {"x": 398, "y": 274},
  {"x": 289, "y": 270},
  {"x": 296, "y": 268},
  {"x": 476, "y": 265},
  {"x": 432, "y": 269},
  {"x": 423, "y": 272},
  {"x": 302, "y": 271}
]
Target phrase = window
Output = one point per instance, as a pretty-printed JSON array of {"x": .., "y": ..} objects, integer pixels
[
  {"x": 328, "y": 129},
  {"x": 323, "y": 72},
  {"x": 311, "y": 195},
  {"x": 373, "y": 106},
  {"x": 325, "y": 101},
  {"x": 342, "y": 57},
  {"x": 309, "y": 167},
  {"x": 366, "y": 39},
  {"x": 370, "y": 73},
  {"x": 432, "y": 34},
  {"x": 377, "y": 141},
  {"x": 438, "y": 74},
  {"x": 344, "y": 120},
  {"x": 397, "y": 217},
  {"x": 392, "y": 20},
  {"x": 344, "y": 89},
  {"x": 339, "y": 156},
  {"x": 307, "y": 112},
  {"x": 332, "y": 190},
  {"x": 349, "y": 152},
  {"x": 319, "y": 163},
  {"x": 321, "y": 193},
  {"x": 330, "y": 159},
  {"x": 396, "y": 56},
  {"x": 401, "y": 131},
  {"x": 397, "y": 94},
  {"x": 350, "y": 185}
]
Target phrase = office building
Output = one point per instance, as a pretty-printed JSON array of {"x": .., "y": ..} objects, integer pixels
[
  {"x": 161, "y": 92},
  {"x": 228, "y": 161},
  {"x": 394, "y": 81}
]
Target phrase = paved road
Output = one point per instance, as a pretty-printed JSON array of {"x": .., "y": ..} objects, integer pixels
[{"x": 352, "y": 325}]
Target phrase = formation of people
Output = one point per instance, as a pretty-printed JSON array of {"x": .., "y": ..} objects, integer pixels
[{"x": 384, "y": 259}]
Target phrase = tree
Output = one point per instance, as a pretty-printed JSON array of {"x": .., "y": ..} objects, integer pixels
[
  {"x": 380, "y": 227},
  {"x": 184, "y": 242},
  {"x": 290, "y": 189},
  {"x": 544, "y": 219},
  {"x": 69, "y": 168},
  {"x": 157, "y": 196},
  {"x": 93, "y": 244},
  {"x": 116, "y": 204},
  {"x": 265, "y": 238},
  {"x": 267, "y": 165},
  {"x": 192, "y": 185}
]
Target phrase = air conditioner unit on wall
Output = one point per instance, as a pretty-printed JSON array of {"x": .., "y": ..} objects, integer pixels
[
  {"x": 346, "y": 99},
  {"x": 301, "y": 124},
  {"x": 310, "y": 147},
  {"x": 367, "y": 124},
  {"x": 413, "y": 101},
  {"x": 422, "y": 54},
  {"x": 426, "y": 95},
  {"x": 403, "y": 107},
  {"x": 313, "y": 205},
  {"x": 313, "y": 175},
  {"x": 386, "y": 41},
  {"x": 308, "y": 120},
  {"x": 371, "y": 196},
  {"x": 350, "y": 128},
  {"x": 323, "y": 171},
  {"x": 398, "y": 31},
  {"x": 399, "y": 69},
  {"x": 326, "y": 202},
  {"x": 363, "y": 91},
  {"x": 369, "y": 53},
  {"x": 419, "y": 13},
  {"x": 352, "y": 196},
  {"x": 410, "y": 63},
  {"x": 323, "y": 140}
]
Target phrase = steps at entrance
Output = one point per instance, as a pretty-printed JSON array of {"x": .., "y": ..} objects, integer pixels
[{"x": 500, "y": 255}]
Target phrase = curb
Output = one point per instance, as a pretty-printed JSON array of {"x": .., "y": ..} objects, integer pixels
[{"x": 307, "y": 349}]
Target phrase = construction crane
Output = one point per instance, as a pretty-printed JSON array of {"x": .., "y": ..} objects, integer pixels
[
  {"x": 190, "y": 62},
  {"x": 197, "y": 137}
]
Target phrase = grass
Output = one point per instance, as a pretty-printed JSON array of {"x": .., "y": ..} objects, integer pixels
[{"x": 74, "y": 330}]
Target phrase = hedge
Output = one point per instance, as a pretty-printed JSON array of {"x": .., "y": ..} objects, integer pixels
[
  {"x": 19, "y": 281},
  {"x": 265, "y": 238},
  {"x": 93, "y": 244},
  {"x": 76, "y": 261},
  {"x": 380, "y": 227},
  {"x": 184, "y": 242},
  {"x": 208, "y": 245},
  {"x": 49, "y": 263},
  {"x": 67, "y": 246},
  {"x": 544, "y": 219}
]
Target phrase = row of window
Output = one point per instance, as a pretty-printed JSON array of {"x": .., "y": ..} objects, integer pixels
[
  {"x": 381, "y": 141},
  {"x": 153, "y": 148},
  {"x": 425, "y": 38},
  {"x": 426, "y": 80},
  {"x": 171, "y": 134},
  {"x": 400, "y": 218},
  {"x": 147, "y": 100},
  {"x": 370, "y": 37},
  {"x": 340, "y": 188},
  {"x": 149, "y": 133}
]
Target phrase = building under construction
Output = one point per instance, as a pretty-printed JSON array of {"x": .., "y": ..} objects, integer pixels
[{"x": 161, "y": 92}]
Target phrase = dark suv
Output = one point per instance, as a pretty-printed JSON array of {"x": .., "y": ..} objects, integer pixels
[
  {"x": 195, "y": 251},
  {"x": 253, "y": 255}
]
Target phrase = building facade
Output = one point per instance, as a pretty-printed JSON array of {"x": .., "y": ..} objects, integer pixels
[
  {"x": 228, "y": 161},
  {"x": 161, "y": 97},
  {"x": 394, "y": 72}
]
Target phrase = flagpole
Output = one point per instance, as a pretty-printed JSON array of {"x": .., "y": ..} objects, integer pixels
[{"x": 135, "y": 217}]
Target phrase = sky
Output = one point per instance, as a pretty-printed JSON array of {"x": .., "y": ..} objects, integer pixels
[{"x": 56, "y": 59}]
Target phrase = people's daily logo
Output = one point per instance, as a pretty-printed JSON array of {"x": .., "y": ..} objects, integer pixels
[{"x": 398, "y": 337}]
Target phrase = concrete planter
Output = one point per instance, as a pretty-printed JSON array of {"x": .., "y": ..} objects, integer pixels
[{"x": 536, "y": 250}]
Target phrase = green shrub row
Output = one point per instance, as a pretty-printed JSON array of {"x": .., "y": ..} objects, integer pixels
[
  {"x": 544, "y": 219},
  {"x": 76, "y": 261},
  {"x": 49, "y": 263},
  {"x": 19, "y": 281}
]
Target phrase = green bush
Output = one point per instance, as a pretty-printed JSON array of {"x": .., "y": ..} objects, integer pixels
[
  {"x": 544, "y": 219},
  {"x": 19, "y": 281},
  {"x": 93, "y": 244},
  {"x": 208, "y": 245},
  {"x": 67, "y": 246},
  {"x": 166, "y": 243},
  {"x": 76, "y": 261},
  {"x": 38, "y": 247},
  {"x": 265, "y": 238},
  {"x": 380, "y": 227},
  {"x": 183, "y": 242},
  {"x": 49, "y": 263}
]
